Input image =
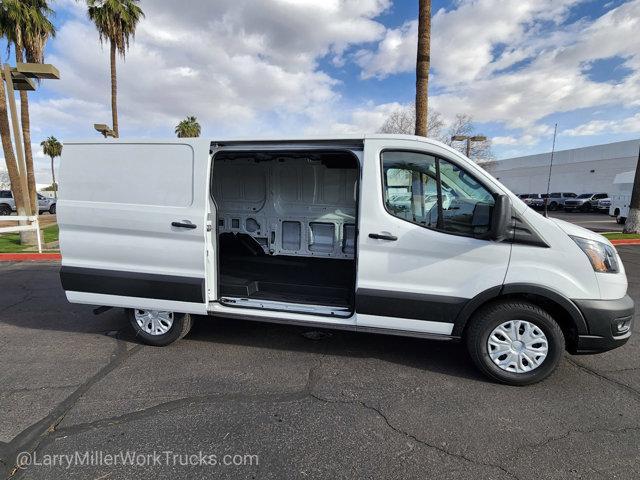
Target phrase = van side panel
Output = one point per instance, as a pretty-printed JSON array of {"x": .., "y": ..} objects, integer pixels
[{"x": 116, "y": 208}]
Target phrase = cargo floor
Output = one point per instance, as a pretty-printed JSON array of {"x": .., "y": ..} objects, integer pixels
[{"x": 313, "y": 281}]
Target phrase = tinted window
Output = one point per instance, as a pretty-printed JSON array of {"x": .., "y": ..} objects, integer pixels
[
  {"x": 5, "y": 194},
  {"x": 555, "y": 195},
  {"x": 434, "y": 193},
  {"x": 569, "y": 195},
  {"x": 601, "y": 195},
  {"x": 586, "y": 195}
]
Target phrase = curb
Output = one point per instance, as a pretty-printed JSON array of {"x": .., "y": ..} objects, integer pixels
[
  {"x": 29, "y": 257},
  {"x": 631, "y": 241}
]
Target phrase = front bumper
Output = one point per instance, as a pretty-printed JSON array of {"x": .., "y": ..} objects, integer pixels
[{"x": 603, "y": 318}]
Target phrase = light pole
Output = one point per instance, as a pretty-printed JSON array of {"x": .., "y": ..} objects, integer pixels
[
  {"x": 469, "y": 139},
  {"x": 22, "y": 78},
  {"x": 104, "y": 130}
]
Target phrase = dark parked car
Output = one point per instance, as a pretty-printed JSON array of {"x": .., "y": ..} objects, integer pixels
[{"x": 585, "y": 202}]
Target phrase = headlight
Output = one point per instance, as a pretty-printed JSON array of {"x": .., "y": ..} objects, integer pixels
[{"x": 602, "y": 256}]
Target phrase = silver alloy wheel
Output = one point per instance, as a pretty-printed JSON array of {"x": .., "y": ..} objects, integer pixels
[
  {"x": 518, "y": 346},
  {"x": 154, "y": 322}
]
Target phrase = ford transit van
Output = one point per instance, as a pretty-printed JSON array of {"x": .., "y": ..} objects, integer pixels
[{"x": 388, "y": 234}]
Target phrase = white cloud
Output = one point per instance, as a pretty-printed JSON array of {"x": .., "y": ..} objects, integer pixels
[
  {"x": 235, "y": 70},
  {"x": 505, "y": 61},
  {"x": 596, "y": 127},
  {"x": 364, "y": 119}
]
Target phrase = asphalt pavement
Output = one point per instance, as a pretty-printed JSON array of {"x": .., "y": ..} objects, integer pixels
[
  {"x": 598, "y": 222},
  {"x": 236, "y": 399}
]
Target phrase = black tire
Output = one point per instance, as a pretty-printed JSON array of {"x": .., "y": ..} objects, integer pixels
[
  {"x": 553, "y": 206},
  {"x": 5, "y": 210},
  {"x": 52, "y": 209},
  {"x": 568, "y": 210},
  {"x": 586, "y": 208},
  {"x": 489, "y": 317},
  {"x": 181, "y": 326}
]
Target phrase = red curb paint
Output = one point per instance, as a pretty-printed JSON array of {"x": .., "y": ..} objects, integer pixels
[
  {"x": 29, "y": 257},
  {"x": 630, "y": 241}
]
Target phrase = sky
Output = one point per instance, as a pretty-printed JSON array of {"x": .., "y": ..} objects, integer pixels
[{"x": 250, "y": 68}]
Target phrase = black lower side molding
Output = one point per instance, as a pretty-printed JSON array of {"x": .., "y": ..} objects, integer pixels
[{"x": 132, "y": 284}]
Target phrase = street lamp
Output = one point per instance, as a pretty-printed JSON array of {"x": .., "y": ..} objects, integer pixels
[
  {"x": 469, "y": 139},
  {"x": 104, "y": 130},
  {"x": 22, "y": 78}
]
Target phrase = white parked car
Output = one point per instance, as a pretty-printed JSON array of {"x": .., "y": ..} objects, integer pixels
[
  {"x": 603, "y": 205},
  {"x": 388, "y": 234},
  {"x": 8, "y": 204}
]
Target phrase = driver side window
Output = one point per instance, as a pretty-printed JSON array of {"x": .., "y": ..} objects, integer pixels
[{"x": 435, "y": 193}]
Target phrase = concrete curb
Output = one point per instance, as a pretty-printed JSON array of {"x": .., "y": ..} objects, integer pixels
[
  {"x": 29, "y": 257},
  {"x": 631, "y": 241}
]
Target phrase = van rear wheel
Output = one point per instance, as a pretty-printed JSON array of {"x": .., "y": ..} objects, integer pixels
[
  {"x": 514, "y": 342},
  {"x": 159, "y": 328}
]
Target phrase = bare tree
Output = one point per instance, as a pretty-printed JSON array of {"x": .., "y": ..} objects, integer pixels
[
  {"x": 423, "y": 63},
  {"x": 463, "y": 125},
  {"x": 403, "y": 121},
  {"x": 632, "y": 225}
]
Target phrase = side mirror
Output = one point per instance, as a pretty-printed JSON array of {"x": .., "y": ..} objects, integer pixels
[{"x": 500, "y": 218}]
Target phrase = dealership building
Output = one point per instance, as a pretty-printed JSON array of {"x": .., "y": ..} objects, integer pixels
[{"x": 580, "y": 170}]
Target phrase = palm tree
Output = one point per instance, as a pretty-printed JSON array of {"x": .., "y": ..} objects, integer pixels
[
  {"x": 423, "y": 62},
  {"x": 9, "y": 154},
  {"x": 188, "y": 128},
  {"x": 52, "y": 148},
  {"x": 116, "y": 21},
  {"x": 26, "y": 25}
]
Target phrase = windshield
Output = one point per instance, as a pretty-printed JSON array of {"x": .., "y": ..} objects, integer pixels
[{"x": 586, "y": 195}]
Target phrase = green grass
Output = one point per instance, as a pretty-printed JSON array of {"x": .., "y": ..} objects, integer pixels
[
  {"x": 621, "y": 236},
  {"x": 10, "y": 242}
]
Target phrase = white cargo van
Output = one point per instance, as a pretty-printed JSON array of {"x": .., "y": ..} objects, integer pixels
[
  {"x": 621, "y": 196},
  {"x": 379, "y": 233}
]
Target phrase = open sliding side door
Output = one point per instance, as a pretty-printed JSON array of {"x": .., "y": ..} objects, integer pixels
[{"x": 133, "y": 224}]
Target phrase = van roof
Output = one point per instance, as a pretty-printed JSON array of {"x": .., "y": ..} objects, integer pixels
[{"x": 353, "y": 139}]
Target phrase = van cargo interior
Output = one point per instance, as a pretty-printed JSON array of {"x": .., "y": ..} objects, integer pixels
[{"x": 287, "y": 229}]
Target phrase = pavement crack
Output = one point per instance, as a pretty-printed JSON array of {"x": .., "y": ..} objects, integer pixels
[
  {"x": 25, "y": 298},
  {"x": 176, "y": 404},
  {"x": 29, "y": 439},
  {"x": 568, "y": 433},
  {"x": 635, "y": 392},
  {"x": 407, "y": 434}
]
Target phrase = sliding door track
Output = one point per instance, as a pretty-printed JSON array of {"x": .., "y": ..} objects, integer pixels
[{"x": 328, "y": 311}]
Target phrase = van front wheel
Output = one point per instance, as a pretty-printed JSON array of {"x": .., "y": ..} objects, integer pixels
[
  {"x": 159, "y": 328},
  {"x": 516, "y": 343}
]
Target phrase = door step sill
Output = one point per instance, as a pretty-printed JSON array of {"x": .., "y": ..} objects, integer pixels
[{"x": 323, "y": 310}]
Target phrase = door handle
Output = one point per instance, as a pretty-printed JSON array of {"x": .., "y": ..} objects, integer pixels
[
  {"x": 378, "y": 236},
  {"x": 184, "y": 224}
]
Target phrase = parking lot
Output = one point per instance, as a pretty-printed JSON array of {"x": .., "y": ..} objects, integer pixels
[
  {"x": 598, "y": 222},
  {"x": 288, "y": 404}
]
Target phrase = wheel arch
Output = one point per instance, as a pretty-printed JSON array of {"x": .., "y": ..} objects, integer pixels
[{"x": 561, "y": 308}]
